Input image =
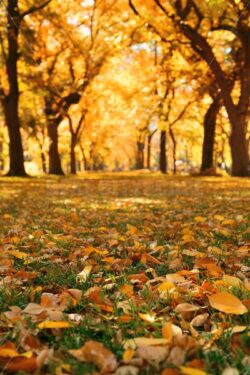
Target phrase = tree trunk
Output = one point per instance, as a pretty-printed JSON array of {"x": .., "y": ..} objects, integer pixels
[
  {"x": 73, "y": 155},
  {"x": 209, "y": 135},
  {"x": 43, "y": 159},
  {"x": 11, "y": 101},
  {"x": 163, "y": 156},
  {"x": 149, "y": 152},
  {"x": 55, "y": 166},
  {"x": 239, "y": 150},
  {"x": 140, "y": 155},
  {"x": 174, "y": 148}
]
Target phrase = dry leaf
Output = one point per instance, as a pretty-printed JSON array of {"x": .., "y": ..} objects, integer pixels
[
  {"x": 227, "y": 303},
  {"x": 127, "y": 370},
  {"x": 94, "y": 352},
  {"x": 156, "y": 354},
  {"x": 192, "y": 371},
  {"x": 177, "y": 356},
  {"x": 230, "y": 371},
  {"x": 150, "y": 318},
  {"x": 144, "y": 341},
  {"x": 200, "y": 320},
  {"x": 83, "y": 276},
  {"x": 50, "y": 324}
]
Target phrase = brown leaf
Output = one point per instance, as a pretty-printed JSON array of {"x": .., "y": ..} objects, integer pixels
[
  {"x": 155, "y": 354},
  {"x": 94, "y": 352}
]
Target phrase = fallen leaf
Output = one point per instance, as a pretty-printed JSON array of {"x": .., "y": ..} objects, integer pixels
[
  {"x": 144, "y": 341},
  {"x": 230, "y": 371},
  {"x": 127, "y": 370},
  {"x": 94, "y": 352},
  {"x": 200, "y": 320},
  {"x": 147, "y": 317},
  {"x": 156, "y": 354},
  {"x": 227, "y": 303},
  {"x": 84, "y": 275},
  {"x": 192, "y": 371},
  {"x": 50, "y": 324}
]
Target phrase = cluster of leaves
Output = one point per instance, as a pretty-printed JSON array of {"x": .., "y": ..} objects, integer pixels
[{"x": 125, "y": 276}]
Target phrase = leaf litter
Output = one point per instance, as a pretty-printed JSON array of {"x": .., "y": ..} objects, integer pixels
[{"x": 125, "y": 276}]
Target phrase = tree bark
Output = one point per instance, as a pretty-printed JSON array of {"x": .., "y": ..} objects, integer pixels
[
  {"x": 174, "y": 148},
  {"x": 209, "y": 135},
  {"x": 140, "y": 155},
  {"x": 239, "y": 150},
  {"x": 149, "y": 152},
  {"x": 150, "y": 137},
  {"x": 55, "y": 166},
  {"x": 73, "y": 154},
  {"x": 11, "y": 101},
  {"x": 43, "y": 159},
  {"x": 163, "y": 156}
]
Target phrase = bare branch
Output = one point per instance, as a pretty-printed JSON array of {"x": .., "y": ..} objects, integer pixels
[
  {"x": 133, "y": 8},
  {"x": 181, "y": 114},
  {"x": 35, "y": 8}
]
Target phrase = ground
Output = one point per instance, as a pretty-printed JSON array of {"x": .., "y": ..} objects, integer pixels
[{"x": 125, "y": 274}]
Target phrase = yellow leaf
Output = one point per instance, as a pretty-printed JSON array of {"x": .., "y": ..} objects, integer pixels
[
  {"x": 51, "y": 324},
  {"x": 64, "y": 367},
  {"x": 219, "y": 217},
  {"x": 227, "y": 303},
  {"x": 167, "y": 286},
  {"x": 167, "y": 331},
  {"x": 128, "y": 354},
  {"x": 83, "y": 276},
  {"x": 147, "y": 317},
  {"x": 12, "y": 353},
  {"x": 199, "y": 219},
  {"x": 192, "y": 371},
  {"x": 18, "y": 254},
  {"x": 232, "y": 280}
]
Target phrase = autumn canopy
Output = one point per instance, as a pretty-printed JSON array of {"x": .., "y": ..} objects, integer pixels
[{"x": 124, "y": 84}]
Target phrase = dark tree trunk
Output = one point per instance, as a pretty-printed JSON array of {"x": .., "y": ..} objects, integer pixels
[
  {"x": 149, "y": 152},
  {"x": 239, "y": 150},
  {"x": 55, "y": 166},
  {"x": 238, "y": 114},
  {"x": 163, "y": 156},
  {"x": 11, "y": 101},
  {"x": 150, "y": 137},
  {"x": 209, "y": 135},
  {"x": 140, "y": 155},
  {"x": 73, "y": 154},
  {"x": 43, "y": 159},
  {"x": 171, "y": 132}
]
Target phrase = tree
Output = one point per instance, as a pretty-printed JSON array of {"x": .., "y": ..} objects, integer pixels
[
  {"x": 233, "y": 17},
  {"x": 10, "y": 97}
]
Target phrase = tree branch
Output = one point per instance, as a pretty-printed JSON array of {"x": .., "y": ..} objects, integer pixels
[
  {"x": 130, "y": 3},
  {"x": 35, "y": 8}
]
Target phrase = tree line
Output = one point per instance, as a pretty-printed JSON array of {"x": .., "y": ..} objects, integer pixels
[{"x": 59, "y": 60}]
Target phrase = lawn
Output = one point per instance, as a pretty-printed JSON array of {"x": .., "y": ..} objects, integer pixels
[{"x": 125, "y": 274}]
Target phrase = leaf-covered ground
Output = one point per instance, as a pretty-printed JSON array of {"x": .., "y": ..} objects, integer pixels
[{"x": 125, "y": 276}]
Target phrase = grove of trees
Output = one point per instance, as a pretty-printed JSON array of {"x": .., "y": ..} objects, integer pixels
[{"x": 124, "y": 84}]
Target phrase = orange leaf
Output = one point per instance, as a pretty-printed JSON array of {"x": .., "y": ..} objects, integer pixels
[
  {"x": 21, "y": 364},
  {"x": 227, "y": 303},
  {"x": 50, "y": 324}
]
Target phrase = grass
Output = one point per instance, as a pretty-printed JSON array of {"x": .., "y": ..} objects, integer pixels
[{"x": 56, "y": 221}]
